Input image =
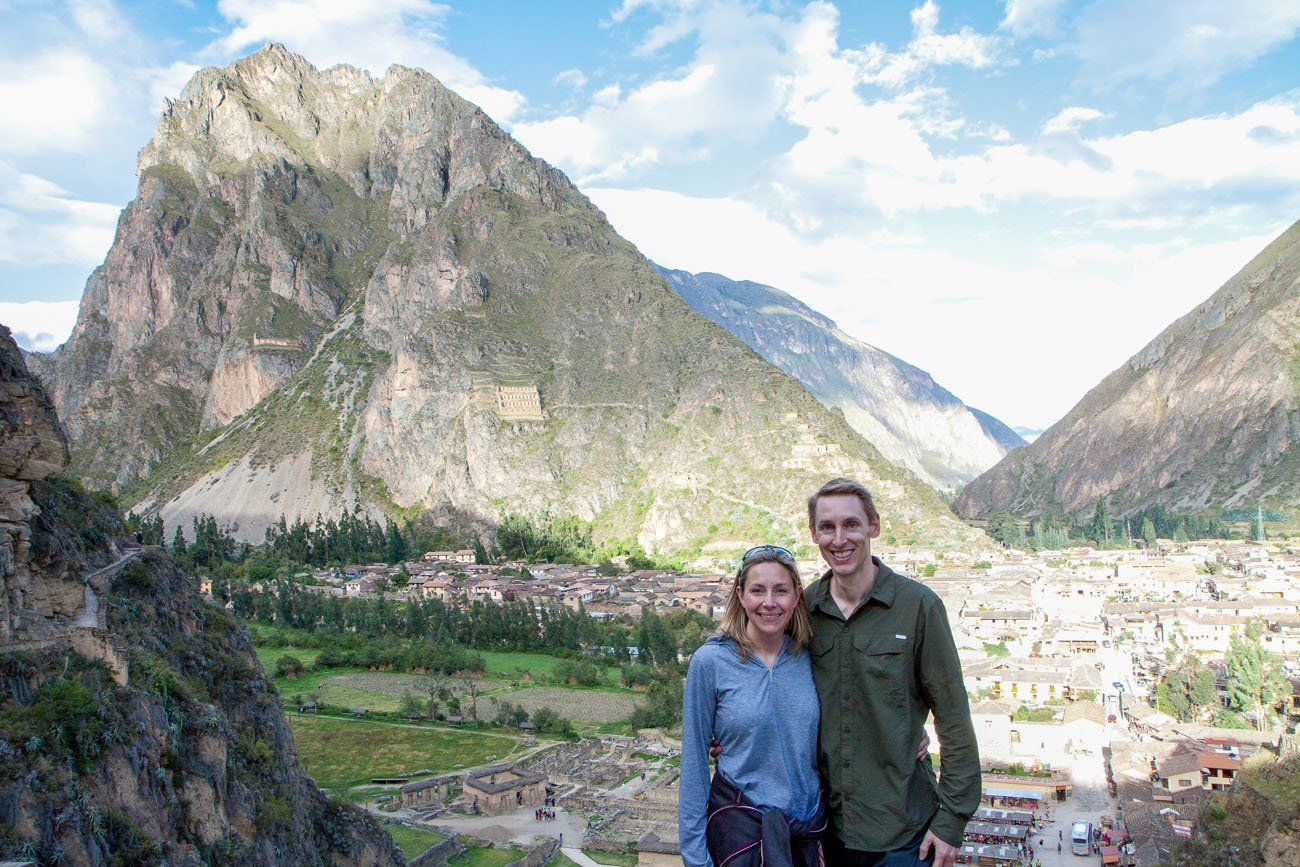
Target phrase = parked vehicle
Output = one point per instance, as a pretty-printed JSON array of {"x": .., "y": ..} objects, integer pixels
[{"x": 1081, "y": 837}]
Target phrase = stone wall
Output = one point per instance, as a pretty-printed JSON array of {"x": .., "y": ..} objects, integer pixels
[
  {"x": 438, "y": 854},
  {"x": 538, "y": 855}
]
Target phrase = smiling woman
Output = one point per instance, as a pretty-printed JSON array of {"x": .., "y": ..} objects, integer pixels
[{"x": 750, "y": 689}]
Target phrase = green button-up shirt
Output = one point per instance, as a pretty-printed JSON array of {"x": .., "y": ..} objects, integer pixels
[{"x": 879, "y": 675}]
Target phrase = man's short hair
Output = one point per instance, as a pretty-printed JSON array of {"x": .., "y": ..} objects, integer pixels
[{"x": 843, "y": 486}]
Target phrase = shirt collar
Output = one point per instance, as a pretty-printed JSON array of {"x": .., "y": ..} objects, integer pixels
[{"x": 883, "y": 591}]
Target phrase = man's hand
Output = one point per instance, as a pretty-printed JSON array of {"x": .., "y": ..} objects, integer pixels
[
  {"x": 944, "y": 855},
  {"x": 924, "y": 749}
]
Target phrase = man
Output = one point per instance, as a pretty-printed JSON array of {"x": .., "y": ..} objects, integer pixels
[{"x": 883, "y": 658}]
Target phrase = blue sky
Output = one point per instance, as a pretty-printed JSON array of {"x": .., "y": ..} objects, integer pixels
[{"x": 1015, "y": 195}]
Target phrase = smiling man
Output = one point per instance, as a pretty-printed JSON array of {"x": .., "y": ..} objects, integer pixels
[{"x": 883, "y": 660}]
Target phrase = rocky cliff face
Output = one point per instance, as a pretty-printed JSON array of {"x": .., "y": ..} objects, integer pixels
[
  {"x": 898, "y": 408},
  {"x": 136, "y": 726},
  {"x": 32, "y": 447},
  {"x": 334, "y": 289},
  {"x": 1207, "y": 415}
]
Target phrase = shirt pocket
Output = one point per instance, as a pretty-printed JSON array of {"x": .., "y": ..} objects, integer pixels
[{"x": 882, "y": 667}]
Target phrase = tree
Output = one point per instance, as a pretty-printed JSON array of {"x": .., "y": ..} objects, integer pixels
[
  {"x": 289, "y": 666},
  {"x": 1187, "y": 693},
  {"x": 1149, "y": 533},
  {"x": 1099, "y": 527},
  {"x": 1255, "y": 678}
]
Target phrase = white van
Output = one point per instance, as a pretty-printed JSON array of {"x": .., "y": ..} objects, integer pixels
[{"x": 1081, "y": 837}]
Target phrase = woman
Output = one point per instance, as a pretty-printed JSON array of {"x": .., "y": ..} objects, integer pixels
[{"x": 751, "y": 689}]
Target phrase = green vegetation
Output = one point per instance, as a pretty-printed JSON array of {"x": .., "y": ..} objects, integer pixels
[
  {"x": 341, "y": 754},
  {"x": 1052, "y": 530},
  {"x": 484, "y": 856},
  {"x": 999, "y": 649},
  {"x": 1034, "y": 714},
  {"x": 1256, "y": 680},
  {"x": 1187, "y": 692},
  {"x": 413, "y": 841},
  {"x": 617, "y": 859},
  {"x": 518, "y": 664}
]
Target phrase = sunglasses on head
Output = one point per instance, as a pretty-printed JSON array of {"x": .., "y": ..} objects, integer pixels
[{"x": 758, "y": 550}]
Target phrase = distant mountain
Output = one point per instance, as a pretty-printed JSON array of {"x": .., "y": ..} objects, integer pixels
[
  {"x": 1029, "y": 434},
  {"x": 899, "y": 408},
  {"x": 334, "y": 290},
  {"x": 1206, "y": 415}
]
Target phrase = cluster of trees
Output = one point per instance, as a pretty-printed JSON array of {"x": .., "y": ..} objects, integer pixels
[
  {"x": 1254, "y": 683},
  {"x": 1052, "y": 530},
  {"x": 429, "y": 635},
  {"x": 487, "y": 625}
]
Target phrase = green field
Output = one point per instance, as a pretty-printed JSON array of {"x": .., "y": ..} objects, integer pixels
[
  {"x": 342, "y": 753},
  {"x": 269, "y": 656},
  {"x": 618, "y": 859},
  {"x": 512, "y": 665},
  {"x": 482, "y": 856},
  {"x": 413, "y": 841},
  {"x": 372, "y": 690}
]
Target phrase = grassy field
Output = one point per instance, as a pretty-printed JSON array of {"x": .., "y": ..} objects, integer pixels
[
  {"x": 579, "y": 705},
  {"x": 619, "y": 859},
  {"x": 482, "y": 856},
  {"x": 269, "y": 656},
  {"x": 343, "y": 753},
  {"x": 413, "y": 841},
  {"x": 561, "y": 860},
  {"x": 512, "y": 665},
  {"x": 373, "y": 690}
]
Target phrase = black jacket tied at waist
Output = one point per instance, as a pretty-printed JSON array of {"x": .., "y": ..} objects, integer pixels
[{"x": 742, "y": 835}]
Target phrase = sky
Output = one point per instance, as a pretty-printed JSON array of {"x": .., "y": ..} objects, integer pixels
[{"x": 1014, "y": 195}]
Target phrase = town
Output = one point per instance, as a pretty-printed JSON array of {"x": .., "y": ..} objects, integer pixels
[{"x": 1099, "y": 682}]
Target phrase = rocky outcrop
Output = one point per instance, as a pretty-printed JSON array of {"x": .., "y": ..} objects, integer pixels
[
  {"x": 1207, "y": 415},
  {"x": 32, "y": 447},
  {"x": 899, "y": 408},
  {"x": 336, "y": 290},
  {"x": 136, "y": 726}
]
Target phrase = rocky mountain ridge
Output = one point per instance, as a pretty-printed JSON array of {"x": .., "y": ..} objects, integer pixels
[
  {"x": 1207, "y": 415},
  {"x": 897, "y": 407},
  {"x": 336, "y": 291},
  {"x": 136, "y": 726}
]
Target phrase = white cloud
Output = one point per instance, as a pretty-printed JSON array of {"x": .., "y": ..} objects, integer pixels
[
  {"x": 43, "y": 224},
  {"x": 370, "y": 34},
  {"x": 731, "y": 91},
  {"x": 1187, "y": 42},
  {"x": 39, "y": 326},
  {"x": 901, "y": 297},
  {"x": 1031, "y": 18},
  {"x": 1069, "y": 119},
  {"x": 751, "y": 70},
  {"x": 56, "y": 100},
  {"x": 572, "y": 77},
  {"x": 929, "y": 48},
  {"x": 99, "y": 20}
]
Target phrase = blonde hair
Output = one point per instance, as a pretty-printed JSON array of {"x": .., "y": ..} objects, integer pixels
[
  {"x": 735, "y": 620},
  {"x": 842, "y": 485}
]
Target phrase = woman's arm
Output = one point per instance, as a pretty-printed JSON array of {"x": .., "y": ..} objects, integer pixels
[{"x": 699, "y": 704}]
